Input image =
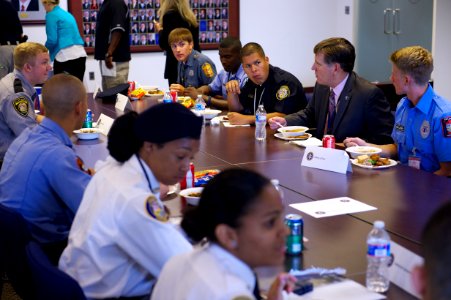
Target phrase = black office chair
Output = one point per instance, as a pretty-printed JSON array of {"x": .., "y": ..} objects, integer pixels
[
  {"x": 50, "y": 283},
  {"x": 14, "y": 236}
]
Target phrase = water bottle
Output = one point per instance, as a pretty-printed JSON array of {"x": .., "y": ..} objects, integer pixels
[
  {"x": 200, "y": 103},
  {"x": 276, "y": 184},
  {"x": 167, "y": 98},
  {"x": 260, "y": 123},
  {"x": 378, "y": 256}
]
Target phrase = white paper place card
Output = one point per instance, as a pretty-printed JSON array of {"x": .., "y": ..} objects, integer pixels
[
  {"x": 401, "y": 269},
  {"x": 328, "y": 159},
  {"x": 332, "y": 207},
  {"x": 97, "y": 89},
  {"x": 104, "y": 124},
  {"x": 122, "y": 102}
]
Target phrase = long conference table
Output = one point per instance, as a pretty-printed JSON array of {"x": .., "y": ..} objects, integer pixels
[{"x": 405, "y": 198}]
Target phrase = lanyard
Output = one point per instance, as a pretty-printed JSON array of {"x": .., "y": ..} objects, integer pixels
[
  {"x": 255, "y": 98},
  {"x": 145, "y": 173}
]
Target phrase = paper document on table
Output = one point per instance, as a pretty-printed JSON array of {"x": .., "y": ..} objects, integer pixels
[
  {"x": 108, "y": 72},
  {"x": 344, "y": 290},
  {"x": 332, "y": 207},
  {"x": 227, "y": 124},
  {"x": 314, "y": 142}
]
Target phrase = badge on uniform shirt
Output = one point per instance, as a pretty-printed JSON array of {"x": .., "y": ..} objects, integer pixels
[
  {"x": 20, "y": 105},
  {"x": 155, "y": 210},
  {"x": 283, "y": 92},
  {"x": 425, "y": 129},
  {"x": 191, "y": 73},
  {"x": 208, "y": 70},
  {"x": 446, "y": 127}
]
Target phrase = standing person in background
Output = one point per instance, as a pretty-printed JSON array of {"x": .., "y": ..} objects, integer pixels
[
  {"x": 18, "y": 98},
  {"x": 175, "y": 14},
  {"x": 112, "y": 43},
  {"x": 279, "y": 91},
  {"x": 239, "y": 211},
  {"x": 11, "y": 34},
  {"x": 215, "y": 94},
  {"x": 64, "y": 41},
  {"x": 422, "y": 131},
  {"x": 194, "y": 69}
]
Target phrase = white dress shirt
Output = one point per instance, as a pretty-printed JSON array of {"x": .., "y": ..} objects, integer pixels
[
  {"x": 116, "y": 248},
  {"x": 207, "y": 273}
]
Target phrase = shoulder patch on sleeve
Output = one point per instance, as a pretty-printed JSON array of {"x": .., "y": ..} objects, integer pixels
[
  {"x": 153, "y": 208},
  {"x": 446, "y": 127},
  {"x": 21, "y": 105},
  {"x": 283, "y": 92},
  {"x": 208, "y": 70}
]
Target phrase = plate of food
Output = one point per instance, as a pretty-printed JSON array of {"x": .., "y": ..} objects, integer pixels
[
  {"x": 362, "y": 150},
  {"x": 373, "y": 161},
  {"x": 207, "y": 113},
  {"x": 87, "y": 133},
  {"x": 192, "y": 195},
  {"x": 202, "y": 177},
  {"x": 288, "y": 131},
  {"x": 153, "y": 91},
  {"x": 304, "y": 136}
]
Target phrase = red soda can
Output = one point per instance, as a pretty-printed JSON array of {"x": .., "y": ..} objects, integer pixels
[
  {"x": 131, "y": 86},
  {"x": 174, "y": 96},
  {"x": 328, "y": 141}
]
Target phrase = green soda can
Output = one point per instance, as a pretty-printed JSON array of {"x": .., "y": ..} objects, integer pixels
[{"x": 294, "y": 242}]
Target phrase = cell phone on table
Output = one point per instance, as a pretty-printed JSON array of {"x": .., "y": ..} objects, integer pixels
[{"x": 302, "y": 287}]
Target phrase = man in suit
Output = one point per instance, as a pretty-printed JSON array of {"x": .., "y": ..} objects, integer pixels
[
  {"x": 343, "y": 103},
  {"x": 23, "y": 5}
]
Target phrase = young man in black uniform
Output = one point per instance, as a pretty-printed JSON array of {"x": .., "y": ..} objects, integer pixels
[{"x": 279, "y": 91}]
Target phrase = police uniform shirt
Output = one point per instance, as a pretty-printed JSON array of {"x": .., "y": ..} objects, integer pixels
[
  {"x": 207, "y": 273},
  {"x": 424, "y": 130},
  {"x": 217, "y": 86},
  {"x": 113, "y": 15},
  {"x": 281, "y": 92},
  {"x": 16, "y": 109},
  {"x": 116, "y": 245},
  {"x": 198, "y": 70},
  {"x": 41, "y": 179}
]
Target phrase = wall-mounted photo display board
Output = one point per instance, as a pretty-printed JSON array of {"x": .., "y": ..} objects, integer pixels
[{"x": 217, "y": 19}]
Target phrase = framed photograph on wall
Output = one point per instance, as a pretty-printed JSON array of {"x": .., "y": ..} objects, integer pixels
[
  {"x": 30, "y": 11},
  {"x": 217, "y": 20}
]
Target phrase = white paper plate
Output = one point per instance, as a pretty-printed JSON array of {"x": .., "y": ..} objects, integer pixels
[
  {"x": 392, "y": 164},
  {"x": 190, "y": 199},
  {"x": 304, "y": 137},
  {"x": 87, "y": 133}
]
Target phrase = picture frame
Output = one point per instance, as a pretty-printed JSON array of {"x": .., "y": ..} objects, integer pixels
[
  {"x": 31, "y": 13},
  {"x": 220, "y": 19}
]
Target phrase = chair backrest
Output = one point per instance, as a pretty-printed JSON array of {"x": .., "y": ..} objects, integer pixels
[
  {"x": 50, "y": 283},
  {"x": 14, "y": 236}
]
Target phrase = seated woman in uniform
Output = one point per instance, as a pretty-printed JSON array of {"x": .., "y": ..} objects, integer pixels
[
  {"x": 121, "y": 238},
  {"x": 239, "y": 221}
]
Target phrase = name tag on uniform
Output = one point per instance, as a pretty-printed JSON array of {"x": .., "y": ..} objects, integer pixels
[{"x": 328, "y": 159}]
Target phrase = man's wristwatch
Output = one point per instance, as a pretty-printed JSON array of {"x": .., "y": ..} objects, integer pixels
[{"x": 108, "y": 55}]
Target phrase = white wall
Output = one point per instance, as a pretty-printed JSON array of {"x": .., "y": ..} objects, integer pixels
[{"x": 288, "y": 31}]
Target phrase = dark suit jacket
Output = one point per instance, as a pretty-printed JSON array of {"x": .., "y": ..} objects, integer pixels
[
  {"x": 33, "y": 6},
  {"x": 171, "y": 20},
  {"x": 363, "y": 111}
]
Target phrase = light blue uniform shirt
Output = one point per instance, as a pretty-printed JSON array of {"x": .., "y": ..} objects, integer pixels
[
  {"x": 424, "y": 130},
  {"x": 217, "y": 87},
  {"x": 41, "y": 180}
]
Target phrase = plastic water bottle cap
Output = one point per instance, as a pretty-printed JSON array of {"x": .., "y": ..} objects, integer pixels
[{"x": 379, "y": 224}]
